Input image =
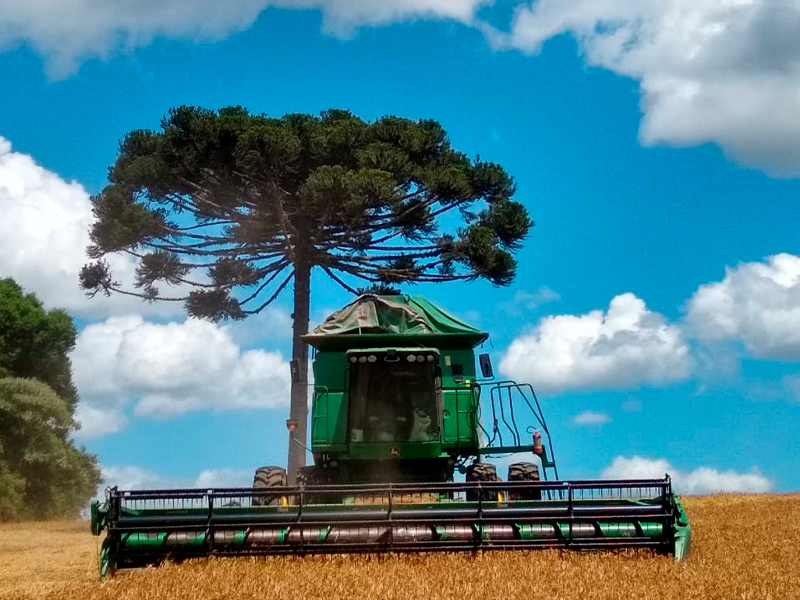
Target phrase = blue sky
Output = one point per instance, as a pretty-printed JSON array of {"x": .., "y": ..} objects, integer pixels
[{"x": 657, "y": 301}]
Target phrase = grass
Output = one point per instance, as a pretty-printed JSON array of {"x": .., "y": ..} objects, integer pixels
[{"x": 744, "y": 547}]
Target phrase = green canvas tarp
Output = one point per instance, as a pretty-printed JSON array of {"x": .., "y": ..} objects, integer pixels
[{"x": 394, "y": 316}]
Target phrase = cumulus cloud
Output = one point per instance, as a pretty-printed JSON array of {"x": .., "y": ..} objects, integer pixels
[
  {"x": 719, "y": 71},
  {"x": 44, "y": 232},
  {"x": 67, "y": 32},
  {"x": 623, "y": 347},
  {"x": 756, "y": 303},
  {"x": 702, "y": 480},
  {"x": 589, "y": 418},
  {"x": 129, "y": 477},
  {"x": 168, "y": 369},
  {"x": 726, "y": 72}
]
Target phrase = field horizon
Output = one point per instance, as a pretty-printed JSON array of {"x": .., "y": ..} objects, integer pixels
[{"x": 743, "y": 547}]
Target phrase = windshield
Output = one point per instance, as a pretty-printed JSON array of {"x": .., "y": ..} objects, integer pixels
[{"x": 393, "y": 402}]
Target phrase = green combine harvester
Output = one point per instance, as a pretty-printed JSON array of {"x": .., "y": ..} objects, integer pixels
[{"x": 398, "y": 410}]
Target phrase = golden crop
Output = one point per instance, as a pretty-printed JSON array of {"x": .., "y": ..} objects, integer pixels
[{"x": 744, "y": 547}]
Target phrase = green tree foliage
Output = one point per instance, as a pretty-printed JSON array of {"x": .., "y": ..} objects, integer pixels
[
  {"x": 380, "y": 289},
  {"x": 42, "y": 475},
  {"x": 34, "y": 342},
  {"x": 235, "y": 206}
]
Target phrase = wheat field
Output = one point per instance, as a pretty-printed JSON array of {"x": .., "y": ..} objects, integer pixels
[{"x": 744, "y": 547}]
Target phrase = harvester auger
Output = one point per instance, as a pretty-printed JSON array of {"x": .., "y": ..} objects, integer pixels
[{"x": 397, "y": 410}]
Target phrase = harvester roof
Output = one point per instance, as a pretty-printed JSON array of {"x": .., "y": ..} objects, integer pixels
[{"x": 384, "y": 320}]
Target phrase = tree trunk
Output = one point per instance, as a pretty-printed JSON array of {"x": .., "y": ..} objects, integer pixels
[{"x": 298, "y": 410}]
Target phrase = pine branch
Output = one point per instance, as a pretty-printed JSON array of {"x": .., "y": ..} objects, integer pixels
[
  {"x": 272, "y": 297},
  {"x": 267, "y": 281},
  {"x": 333, "y": 276}
]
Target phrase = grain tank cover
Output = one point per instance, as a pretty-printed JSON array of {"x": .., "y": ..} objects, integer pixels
[{"x": 390, "y": 319}]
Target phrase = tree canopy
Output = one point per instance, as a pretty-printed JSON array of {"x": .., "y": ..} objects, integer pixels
[
  {"x": 42, "y": 474},
  {"x": 34, "y": 342},
  {"x": 232, "y": 207}
]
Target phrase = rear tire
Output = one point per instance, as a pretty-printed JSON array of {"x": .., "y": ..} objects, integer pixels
[
  {"x": 482, "y": 472},
  {"x": 524, "y": 471},
  {"x": 266, "y": 478}
]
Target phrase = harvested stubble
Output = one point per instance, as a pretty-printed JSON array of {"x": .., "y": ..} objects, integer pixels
[{"x": 745, "y": 547}]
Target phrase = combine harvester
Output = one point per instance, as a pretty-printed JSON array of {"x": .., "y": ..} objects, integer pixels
[{"x": 397, "y": 410}]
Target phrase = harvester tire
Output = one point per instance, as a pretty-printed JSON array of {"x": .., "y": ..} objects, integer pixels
[
  {"x": 524, "y": 471},
  {"x": 265, "y": 478},
  {"x": 482, "y": 472}
]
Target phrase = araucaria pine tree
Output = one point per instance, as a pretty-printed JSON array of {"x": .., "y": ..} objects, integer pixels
[{"x": 234, "y": 207}]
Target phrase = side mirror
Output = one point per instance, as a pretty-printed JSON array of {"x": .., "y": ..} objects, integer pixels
[{"x": 486, "y": 366}]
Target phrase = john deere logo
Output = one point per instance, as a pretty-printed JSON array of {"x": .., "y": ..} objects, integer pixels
[{"x": 394, "y": 451}]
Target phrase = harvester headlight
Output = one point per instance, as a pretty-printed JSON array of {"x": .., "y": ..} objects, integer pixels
[
  {"x": 411, "y": 358},
  {"x": 362, "y": 359},
  {"x": 372, "y": 358},
  {"x": 353, "y": 359},
  {"x": 430, "y": 357},
  {"x": 420, "y": 358}
]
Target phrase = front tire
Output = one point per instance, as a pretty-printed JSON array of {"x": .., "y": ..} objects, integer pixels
[
  {"x": 267, "y": 478},
  {"x": 524, "y": 471},
  {"x": 482, "y": 472}
]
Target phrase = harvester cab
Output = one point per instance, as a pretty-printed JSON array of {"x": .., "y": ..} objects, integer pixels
[
  {"x": 397, "y": 399},
  {"x": 399, "y": 414}
]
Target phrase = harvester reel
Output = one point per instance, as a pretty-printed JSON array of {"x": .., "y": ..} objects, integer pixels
[
  {"x": 267, "y": 478},
  {"x": 524, "y": 471}
]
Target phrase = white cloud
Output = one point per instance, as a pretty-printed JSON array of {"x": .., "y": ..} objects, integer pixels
[
  {"x": 757, "y": 303},
  {"x": 702, "y": 480},
  {"x": 43, "y": 240},
  {"x": 130, "y": 477},
  {"x": 716, "y": 363},
  {"x": 170, "y": 368},
  {"x": 96, "y": 421},
  {"x": 341, "y": 16},
  {"x": 222, "y": 478},
  {"x": 720, "y": 71},
  {"x": 589, "y": 418},
  {"x": 524, "y": 301},
  {"x": 44, "y": 232},
  {"x": 67, "y": 32},
  {"x": 623, "y": 347}
]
